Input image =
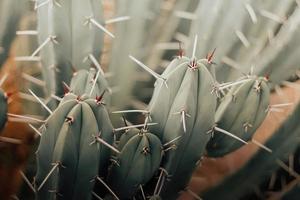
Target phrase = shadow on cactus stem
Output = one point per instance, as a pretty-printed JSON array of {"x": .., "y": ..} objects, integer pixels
[
  {"x": 12, "y": 156},
  {"x": 213, "y": 171}
]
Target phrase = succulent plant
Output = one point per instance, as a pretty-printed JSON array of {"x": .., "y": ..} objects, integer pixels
[
  {"x": 3, "y": 109},
  {"x": 184, "y": 120},
  {"x": 136, "y": 164},
  {"x": 71, "y": 38},
  {"x": 74, "y": 138},
  {"x": 283, "y": 142},
  {"x": 91, "y": 83},
  {"x": 207, "y": 107},
  {"x": 240, "y": 112}
]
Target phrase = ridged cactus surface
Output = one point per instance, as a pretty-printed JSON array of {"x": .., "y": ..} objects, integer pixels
[
  {"x": 69, "y": 38},
  {"x": 184, "y": 106},
  {"x": 138, "y": 161},
  {"x": 70, "y": 155},
  {"x": 91, "y": 83},
  {"x": 240, "y": 112}
]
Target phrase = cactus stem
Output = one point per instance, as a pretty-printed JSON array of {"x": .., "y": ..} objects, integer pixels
[
  {"x": 100, "y": 140},
  {"x": 142, "y": 192},
  {"x": 3, "y": 79},
  {"x": 171, "y": 141},
  {"x": 91, "y": 20},
  {"x": 185, "y": 15},
  {"x": 251, "y": 13},
  {"x": 27, "y": 181},
  {"x": 22, "y": 118},
  {"x": 35, "y": 130},
  {"x": 133, "y": 126},
  {"x": 193, "y": 194},
  {"x": 28, "y": 59},
  {"x": 40, "y": 101},
  {"x": 51, "y": 38},
  {"x": 261, "y": 145},
  {"x": 10, "y": 140},
  {"x": 154, "y": 74},
  {"x": 27, "y": 32},
  {"x": 96, "y": 63},
  {"x": 97, "y": 196},
  {"x": 108, "y": 188},
  {"x": 33, "y": 80},
  {"x": 117, "y": 19},
  {"x": 48, "y": 175}
]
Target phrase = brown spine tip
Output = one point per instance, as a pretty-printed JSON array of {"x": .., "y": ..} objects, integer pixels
[{"x": 210, "y": 56}]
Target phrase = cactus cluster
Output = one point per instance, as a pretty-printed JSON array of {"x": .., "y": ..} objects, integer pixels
[
  {"x": 197, "y": 107},
  {"x": 72, "y": 142}
]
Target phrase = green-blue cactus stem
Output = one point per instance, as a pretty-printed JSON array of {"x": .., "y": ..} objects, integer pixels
[
  {"x": 184, "y": 106},
  {"x": 136, "y": 164},
  {"x": 73, "y": 150},
  {"x": 69, "y": 39},
  {"x": 91, "y": 83},
  {"x": 240, "y": 112},
  {"x": 283, "y": 142}
]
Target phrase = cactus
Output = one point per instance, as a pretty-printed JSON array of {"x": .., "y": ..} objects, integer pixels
[
  {"x": 240, "y": 112},
  {"x": 70, "y": 39},
  {"x": 3, "y": 109},
  {"x": 263, "y": 33},
  {"x": 177, "y": 103},
  {"x": 139, "y": 159},
  {"x": 71, "y": 151},
  {"x": 284, "y": 141},
  {"x": 90, "y": 83}
]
